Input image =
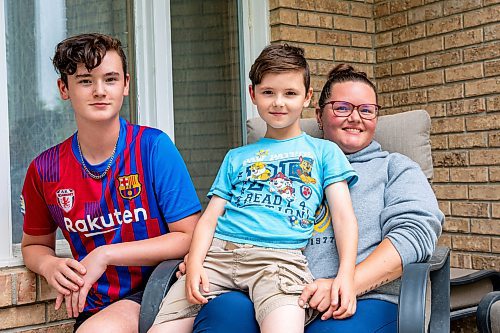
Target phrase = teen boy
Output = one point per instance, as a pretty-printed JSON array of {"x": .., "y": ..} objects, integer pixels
[
  {"x": 120, "y": 193},
  {"x": 262, "y": 207}
]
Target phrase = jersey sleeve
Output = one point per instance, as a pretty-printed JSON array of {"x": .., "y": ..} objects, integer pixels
[
  {"x": 222, "y": 184},
  {"x": 336, "y": 167},
  {"x": 175, "y": 191},
  {"x": 37, "y": 218}
]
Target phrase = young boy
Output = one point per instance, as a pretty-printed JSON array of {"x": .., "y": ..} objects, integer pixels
[
  {"x": 262, "y": 209},
  {"x": 120, "y": 193}
]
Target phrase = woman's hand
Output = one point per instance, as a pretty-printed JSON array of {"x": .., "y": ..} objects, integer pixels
[
  {"x": 317, "y": 295},
  {"x": 343, "y": 291},
  {"x": 182, "y": 267}
]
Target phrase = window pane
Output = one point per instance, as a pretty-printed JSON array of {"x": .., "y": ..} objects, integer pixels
[
  {"x": 38, "y": 118},
  {"x": 207, "y": 108}
]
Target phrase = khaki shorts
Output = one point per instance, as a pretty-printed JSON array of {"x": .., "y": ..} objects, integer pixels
[{"x": 272, "y": 278}]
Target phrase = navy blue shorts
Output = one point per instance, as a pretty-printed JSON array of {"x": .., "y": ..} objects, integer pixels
[{"x": 137, "y": 297}]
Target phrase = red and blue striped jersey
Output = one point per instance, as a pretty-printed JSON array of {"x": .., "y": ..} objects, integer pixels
[{"x": 146, "y": 188}]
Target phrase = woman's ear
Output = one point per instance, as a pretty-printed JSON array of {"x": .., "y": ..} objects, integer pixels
[{"x": 319, "y": 113}]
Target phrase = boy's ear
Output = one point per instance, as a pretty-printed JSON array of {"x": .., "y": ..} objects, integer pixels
[
  {"x": 308, "y": 97},
  {"x": 127, "y": 85},
  {"x": 63, "y": 89},
  {"x": 252, "y": 93}
]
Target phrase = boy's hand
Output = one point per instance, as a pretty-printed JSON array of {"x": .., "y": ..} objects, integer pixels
[
  {"x": 343, "y": 297},
  {"x": 95, "y": 264},
  {"x": 182, "y": 267},
  {"x": 64, "y": 274},
  {"x": 196, "y": 276}
]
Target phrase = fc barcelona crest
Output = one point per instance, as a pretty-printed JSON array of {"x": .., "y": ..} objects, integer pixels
[
  {"x": 65, "y": 198},
  {"x": 129, "y": 186}
]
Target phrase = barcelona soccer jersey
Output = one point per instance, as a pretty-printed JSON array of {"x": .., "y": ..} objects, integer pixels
[{"x": 146, "y": 188}]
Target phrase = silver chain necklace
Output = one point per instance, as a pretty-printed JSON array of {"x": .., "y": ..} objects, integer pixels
[{"x": 90, "y": 173}]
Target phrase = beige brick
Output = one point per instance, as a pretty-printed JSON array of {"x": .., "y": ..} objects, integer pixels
[
  {"x": 494, "y": 174},
  {"x": 444, "y": 25},
  {"x": 483, "y": 51},
  {"x": 282, "y": 3},
  {"x": 56, "y": 315},
  {"x": 318, "y": 52},
  {"x": 495, "y": 210},
  {"x": 445, "y": 207},
  {"x": 383, "y": 39},
  {"x": 409, "y": 33},
  {"x": 391, "y": 22},
  {"x": 362, "y": 40},
  {"x": 483, "y": 87},
  {"x": 309, "y": 19},
  {"x": 459, "y": 6},
  {"x": 492, "y": 68},
  {"x": 5, "y": 288},
  {"x": 428, "y": 78},
  {"x": 463, "y": 38},
  {"x": 427, "y": 45},
  {"x": 45, "y": 291},
  {"x": 370, "y": 26},
  {"x": 467, "y": 140},
  {"x": 425, "y": 13},
  {"x": 481, "y": 16},
  {"x": 324, "y": 67},
  {"x": 334, "y": 7},
  {"x": 382, "y": 9},
  {"x": 382, "y": 70},
  {"x": 465, "y": 72},
  {"x": 456, "y": 225},
  {"x": 439, "y": 142},
  {"x": 494, "y": 139},
  {"x": 293, "y": 34},
  {"x": 361, "y": 9},
  {"x": 336, "y": 38},
  {"x": 409, "y": 98},
  {"x": 436, "y": 109},
  {"x": 450, "y": 192},
  {"x": 484, "y": 192},
  {"x": 442, "y": 93},
  {"x": 469, "y": 175},
  {"x": 485, "y": 262},
  {"x": 22, "y": 316},
  {"x": 392, "y": 84},
  {"x": 447, "y": 125},
  {"x": 350, "y": 55},
  {"x": 491, "y": 32},
  {"x": 471, "y": 243},
  {"x": 404, "y": 5},
  {"x": 468, "y": 106},
  {"x": 441, "y": 175},
  {"x": 408, "y": 66},
  {"x": 485, "y": 226},
  {"x": 66, "y": 327},
  {"x": 485, "y": 157},
  {"x": 385, "y": 100},
  {"x": 495, "y": 245},
  {"x": 444, "y": 59},
  {"x": 493, "y": 103},
  {"x": 461, "y": 260},
  {"x": 445, "y": 240},
  {"x": 482, "y": 122},
  {"x": 448, "y": 159},
  {"x": 469, "y": 209},
  {"x": 349, "y": 23},
  {"x": 392, "y": 53},
  {"x": 283, "y": 16},
  {"x": 25, "y": 287}
]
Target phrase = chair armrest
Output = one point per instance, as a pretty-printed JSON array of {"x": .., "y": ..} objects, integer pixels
[
  {"x": 412, "y": 307},
  {"x": 487, "y": 310},
  {"x": 160, "y": 281}
]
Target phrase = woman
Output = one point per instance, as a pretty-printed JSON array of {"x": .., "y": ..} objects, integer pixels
[{"x": 398, "y": 216}]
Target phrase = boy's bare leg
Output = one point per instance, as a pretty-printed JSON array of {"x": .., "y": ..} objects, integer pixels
[
  {"x": 184, "y": 325},
  {"x": 285, "y": 319},
  {"x": 121, "y": 316}
]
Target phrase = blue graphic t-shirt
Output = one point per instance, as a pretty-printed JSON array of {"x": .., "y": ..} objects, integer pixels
[{"x": 273, "y": 188}]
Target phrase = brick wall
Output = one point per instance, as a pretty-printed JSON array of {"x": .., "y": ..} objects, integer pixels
[{"x": 27, "y": 304}]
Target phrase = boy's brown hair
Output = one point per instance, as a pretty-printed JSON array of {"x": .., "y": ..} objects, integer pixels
[
  {"x": 88, "y": 49},
  {"x": 278, "y": 58}
]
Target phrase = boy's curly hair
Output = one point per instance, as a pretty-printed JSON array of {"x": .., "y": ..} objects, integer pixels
[
  {"x": 88, "y": 49},
  {"x": 278, "y": 58}
]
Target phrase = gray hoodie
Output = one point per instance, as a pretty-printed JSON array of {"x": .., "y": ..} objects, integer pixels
[{"x": 392, "y": 199}]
